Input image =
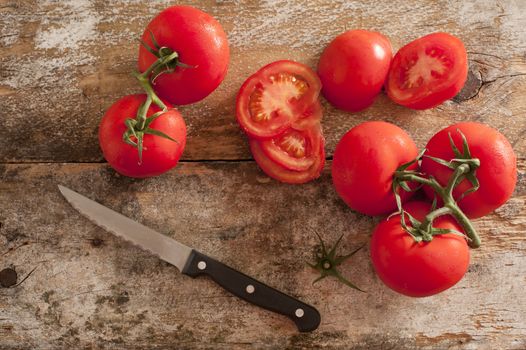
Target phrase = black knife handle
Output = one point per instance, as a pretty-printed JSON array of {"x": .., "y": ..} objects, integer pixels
[{"x": 306, "y": 317}]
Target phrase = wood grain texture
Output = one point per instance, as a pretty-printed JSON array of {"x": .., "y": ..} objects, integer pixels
[
  {"x": 91, "y": 288},
  {"x": 63, "y": 63}
]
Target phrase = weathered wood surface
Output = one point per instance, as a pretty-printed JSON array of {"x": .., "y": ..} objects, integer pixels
[
  {"x": 63, "y": 63},
  {"x": 91, "y": 288}
]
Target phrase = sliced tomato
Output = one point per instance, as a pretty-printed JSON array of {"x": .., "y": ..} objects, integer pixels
[
  {"x": 294, "y": 149},
  {"x": 274, "y": 97},
  {"x": 310, "y": 118},
  {"x": 428, "y": 71},
  {"x": 283, "y": 174}
]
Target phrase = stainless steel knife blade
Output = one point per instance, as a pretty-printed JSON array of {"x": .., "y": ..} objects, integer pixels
[{"x": 158, "y": 244}]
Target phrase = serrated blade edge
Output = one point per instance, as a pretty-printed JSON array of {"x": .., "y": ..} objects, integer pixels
[{"x": 144, "y": 237}]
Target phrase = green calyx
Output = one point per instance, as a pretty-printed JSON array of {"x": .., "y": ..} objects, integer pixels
[
  {"x": 167, "y": 61},
  {"x": 464, "y": 166},
  {"x": 327, "y": 262},
  {"x": 168, "y": 57}
]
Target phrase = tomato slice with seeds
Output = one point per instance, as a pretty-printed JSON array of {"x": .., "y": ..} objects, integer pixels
[
  {"x": 428, "y": 71},
  {"x": 274, "y": 97},
  {"x": 280, "y": 173},
  {"x": 294, "y": 149}
]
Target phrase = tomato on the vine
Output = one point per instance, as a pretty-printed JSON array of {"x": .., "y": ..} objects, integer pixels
[
  {"x": 202, "y": 48},
  {"x": 428, "y": 71},
  {"x": 353, "y": 68},
  {"x": 275, "y": 97},
  {"x": 418, "y": 269},
  {"x": 159, "y": 154},
  {"x": 364, "y": 163},
  {"x": 497, "y": 173}
]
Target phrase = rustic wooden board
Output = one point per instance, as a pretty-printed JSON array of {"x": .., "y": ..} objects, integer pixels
[
  {"x": 91, "y": 288},
  {"x": 63, "y": 63}
]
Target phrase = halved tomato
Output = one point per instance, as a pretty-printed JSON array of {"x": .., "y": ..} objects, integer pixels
[
  {"x": 274, "y": 97},
  {"x": 280, "y": 173},
  {"x": 428, "y": 71},
  {"x": 294, "y": 149}
]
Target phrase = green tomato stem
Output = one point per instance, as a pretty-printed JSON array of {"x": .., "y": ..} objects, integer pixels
[
  {"x": 464, "y": 221},
  {"x": 450, "y": 205},
  {"x": 146, "y": 84},
  {"x": 427, "y": 223}
]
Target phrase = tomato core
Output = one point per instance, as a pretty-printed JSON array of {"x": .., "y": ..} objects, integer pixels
[{"x": 269, "y": 101}]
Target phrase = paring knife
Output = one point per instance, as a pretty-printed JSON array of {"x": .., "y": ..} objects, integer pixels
[{"x": 193, "y": 263}]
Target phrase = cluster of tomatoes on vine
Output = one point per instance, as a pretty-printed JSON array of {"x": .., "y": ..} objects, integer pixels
[{"x": 466, "y": 171}]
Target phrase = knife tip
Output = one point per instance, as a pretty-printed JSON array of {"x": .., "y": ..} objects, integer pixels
[{"x": 63, "y": 189}]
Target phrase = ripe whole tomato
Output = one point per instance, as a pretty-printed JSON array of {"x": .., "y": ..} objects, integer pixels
[
  {"x": 159, "y": 154},
  {"x": 201, "y": 44},
  {"x": 497, "y": 173},
  {"x": 353, "y": 68},
  {"x": 418, "y": 269},
  {"x": 427, "y": 71},
  {"x": 364, "y": 163}
]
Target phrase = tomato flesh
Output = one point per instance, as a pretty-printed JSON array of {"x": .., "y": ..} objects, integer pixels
[
  {"x": 280, "y": 173},
  {"x": 294, "y": 149},
  {"x": 418, "y": 269},
  {"x": 427, "y": 71},
  {"x": 274, "y": 97}
]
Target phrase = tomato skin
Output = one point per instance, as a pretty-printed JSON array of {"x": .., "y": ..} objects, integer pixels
[
  {"x": 440, "y": 89},
  {"x": 159, "y": 154},
  {"x": 274, "y": 148},
  {"x": 282, "y": 174},
  {"x": 497, "y": 173},
  {"x": 364, "y": 162},
  {"x": 290, "y": 110},
  {"x": 353, "y": 68},
  {"x": 418, "y": 269},
  {"x": 200, "y": 41}
]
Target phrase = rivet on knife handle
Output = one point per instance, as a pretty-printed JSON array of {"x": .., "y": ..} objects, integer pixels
[{"x": 306, "y": 317}]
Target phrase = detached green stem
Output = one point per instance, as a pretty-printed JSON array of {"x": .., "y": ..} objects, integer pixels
[{"x": 450, "y": 205}]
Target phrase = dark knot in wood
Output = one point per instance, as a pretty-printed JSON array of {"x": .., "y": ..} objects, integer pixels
[
  {"x": 96, "y": 242},
  {"x": 8, "y": 277},
  {"x": 471, "y": 87}
]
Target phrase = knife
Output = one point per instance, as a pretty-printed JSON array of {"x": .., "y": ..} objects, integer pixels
[{"x": 193, "y": 263}]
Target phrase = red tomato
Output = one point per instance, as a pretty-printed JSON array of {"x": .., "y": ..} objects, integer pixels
[
  {"x": 159, "y": 154},
  {"x": 364, "y": 163},
  {"x": 274, "y": 97},
  {"x": 200, "y": 42},
  {"x": 311, "y": 118},
  {"x": 497, "y": 173},
  {"x": 353, "y": 68},
  {"x": 418, "y": 269},
  {"x": 294, "y": 149},
  {"x": 280, "y": 173},
  {"x": 428, "y": 71}
]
